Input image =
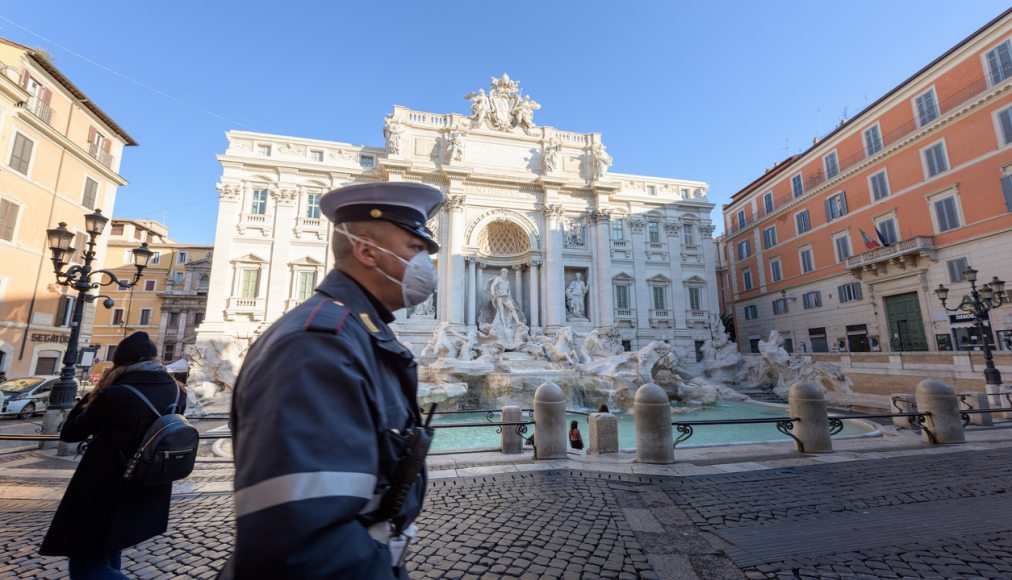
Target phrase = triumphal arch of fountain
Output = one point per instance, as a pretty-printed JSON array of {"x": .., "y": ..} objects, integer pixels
[{"x": 538, "y": 236}]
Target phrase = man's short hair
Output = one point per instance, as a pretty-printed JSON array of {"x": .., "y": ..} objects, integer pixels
[{"x": 343, "y": 248}]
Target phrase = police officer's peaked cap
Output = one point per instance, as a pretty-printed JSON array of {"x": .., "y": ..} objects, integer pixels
[{"x": 407, "y": 205}]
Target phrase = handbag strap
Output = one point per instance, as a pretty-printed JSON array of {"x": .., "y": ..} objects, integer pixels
[{"x": 173, "y": 407}]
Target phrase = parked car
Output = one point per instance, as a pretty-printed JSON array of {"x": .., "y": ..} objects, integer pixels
[{"x": 25, "y": 396}]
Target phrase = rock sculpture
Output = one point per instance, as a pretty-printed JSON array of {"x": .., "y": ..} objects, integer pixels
[
  {"x": 779, "y": 368},
  {"x": 721, "y": 359}
]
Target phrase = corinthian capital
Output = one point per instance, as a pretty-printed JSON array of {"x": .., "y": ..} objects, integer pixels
[
  {"x": 285, "y": 197},
  {"x": 707, "y": 229},
  {"x": 554, "y": 211},
  {"x": 454, "y": 203},
  {"x": 229, "y": 192},
  {"x": 602, "y": 215}
]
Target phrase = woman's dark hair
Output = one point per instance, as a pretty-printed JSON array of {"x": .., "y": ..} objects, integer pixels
[
  {"x": 572, "y": 425},
  {"x": 603, "y": 409}
]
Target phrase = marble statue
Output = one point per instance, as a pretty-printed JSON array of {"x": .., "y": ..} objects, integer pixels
[
  {"x": 550, "y": 156},
  {"x": 523, "y": 112},
  {"x": 575, "y": 293},
  {"x": 393, "y": 132},
  {"x": 775, "y": 366},
  {"x": 500, "y": 317},
  {"x": 479, "y": 107},
  {"x": 575, "y": 233},
  {"x": 600, "y": 343},
  {"x": 455, "y": 145},
  {"x": 564, "y": 348},
  {"x": 468, "y": 350},
  {"x": 426, "y": 309},
  {"x": 502, "y": 108},
  {"x": 443, "y": 344},
  {"x": 721, "y": 359},
  {"x": 601, "y": 161}
]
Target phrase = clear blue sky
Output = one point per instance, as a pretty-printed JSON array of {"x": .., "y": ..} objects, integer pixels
[{"x": 710, "y": 91}]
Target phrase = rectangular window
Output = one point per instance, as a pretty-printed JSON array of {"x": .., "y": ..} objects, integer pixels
[
  {"x": 935, "y": 160},
  {"x": 198, "y": 317},
  {"x": 367, "y": 161},
  {"x": 651, "y": 190},
  {"x": 741, "y": 219},
  {"x": 807, "y": 263},
  {"x": 872, "y": 140},
  {"x": 803, "y": 222},
  {"x": 927, "y": 108},
  {"x": 65, "y": 311},
  {"x": 117, "y": 316},
  {"x": 832, "y": 165},
  {"x": 886, "y": 229},
  {"x": 173, "y": 319},
  {"x": 250, "y": 284},
  {"x": 879, "y": 183},
  {"x": 617, "y": 232},
  {"x": 744, "y": 249},
  {"x": 168, "y": 352},
  {"x": 313, "y": 205},
  {"x": 181, "y": 257},
  {"x": 660, "y": 302},
  {"x": 746, "y": 278},
  {"x": 842, "y": 244},
  {"x": 797, "y": 186},
  {"x": 178, "y": 277},
  {"x": 316, "y": 155},
  {"x": 117, "y": 230},
  {"x": 110, "y": 351},
  {"x": 770, "y": 237},
  {"x": 836, "y": 206},
  {"x": 149, "y": 285},
  {"x": 751, "y": 312},
  {"x": 258, "y": 204},
  {"x": 1005, "y": 124},
  {"x": 306, "y": 285},
  {"x": 90, "y": 193},
  {"x": 622, "y": 296},
  {"x": 768, "y": 202},
  {"x": 8, "y": 219},
  {"x": 696, "y": 298},
  {"x": 654, "y": 232},
  {"x": 776, "y": 271},
  {"x": 264, "y": 150},
  {"x": 21, "y": 154},
  {"x": 156, "y": 258},
  {"x": 999, "y": 62},
  {"x": 946, "y": 214},
  {"x": 689, "y": 234},
  {"x": 812, "y": 299},
  {"x": 145, "y": 316},
  {"x": 849, "y": 292},
  {"x": 780, "y": 306},
  {"x": 956, "y": 268},
  {"x": 1006, "y": 191}
]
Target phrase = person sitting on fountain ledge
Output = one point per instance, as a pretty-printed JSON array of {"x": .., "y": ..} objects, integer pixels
[{"x": 325, "y": 404}]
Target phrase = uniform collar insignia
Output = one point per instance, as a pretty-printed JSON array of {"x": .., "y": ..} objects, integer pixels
[{"x": 369, "y": 324}]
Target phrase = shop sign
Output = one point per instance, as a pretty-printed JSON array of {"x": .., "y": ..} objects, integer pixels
[
  {"x": 43, "y": 337},
  {"x": 961, "y": 317}
]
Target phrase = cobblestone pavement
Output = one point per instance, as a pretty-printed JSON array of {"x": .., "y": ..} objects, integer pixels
[{"x": 932, "y": 515}]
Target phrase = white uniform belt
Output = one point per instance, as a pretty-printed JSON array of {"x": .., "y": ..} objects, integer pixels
[{"x": 308, "y": 485}]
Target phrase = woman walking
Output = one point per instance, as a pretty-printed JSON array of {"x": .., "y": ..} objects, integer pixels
[{"x": 101, "y": 513}]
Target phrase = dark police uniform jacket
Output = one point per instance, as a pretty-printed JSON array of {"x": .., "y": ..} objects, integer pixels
[{"x": 316, "y": 415}]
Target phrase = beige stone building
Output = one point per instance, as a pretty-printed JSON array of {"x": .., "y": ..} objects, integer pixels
[
  {"x": 169, "y": 301},
  {"x": 60, "y": 156}
]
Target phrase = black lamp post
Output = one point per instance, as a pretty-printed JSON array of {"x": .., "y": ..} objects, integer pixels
[
  {"x": 982, "y": 300},
  {"x": 79, "y": 278}
]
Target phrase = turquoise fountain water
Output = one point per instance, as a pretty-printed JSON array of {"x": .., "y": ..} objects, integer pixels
[{"x": 486, "y": 437}]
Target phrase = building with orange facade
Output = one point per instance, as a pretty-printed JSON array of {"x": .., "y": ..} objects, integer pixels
[
  {"x": 169, "y": 301},
  {"x": 839, "y": 248},
  {"x": 59, "y": 159}
]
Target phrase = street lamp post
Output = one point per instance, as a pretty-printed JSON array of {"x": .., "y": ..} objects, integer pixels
[
  {"x": 982, "y": 300},
  {"x": 79, "y": 278}
]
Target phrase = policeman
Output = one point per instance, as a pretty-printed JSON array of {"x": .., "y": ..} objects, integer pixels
[{"x": 326, "y": 398}]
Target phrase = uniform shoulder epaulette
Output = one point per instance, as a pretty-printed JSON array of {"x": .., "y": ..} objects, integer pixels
[{"x": 327, "y": 316}]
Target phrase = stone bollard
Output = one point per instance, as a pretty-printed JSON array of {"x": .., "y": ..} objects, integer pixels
[
  {"x": 603, "y": 433},
  {"x": 903, "y": 403},
  {"x": 996, "y": 396},
  {"x": 512, "y": 442},
  {"x": 938, "y": 401},
  {"x": 654, "y": 441},
  {"x": 807, "y": 403},
  {"x": 975, "y": 400},
  {"x": 550, "y": 422}
]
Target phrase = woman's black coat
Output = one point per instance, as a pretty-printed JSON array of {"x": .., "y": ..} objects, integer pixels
[{"x": 100, "y": 512}]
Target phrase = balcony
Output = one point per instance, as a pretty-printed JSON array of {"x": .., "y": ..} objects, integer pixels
[
  {"x": 693, "y": 314},
  {"x": 40, "y": 110},
  {"x": 624, "y": 314},
  {"x": 256, "y": 221},
  {"x": 252, "y": 308},
  {"x": 661, "y": 317},
  {"x": 100, "y": 154},
  {"x": 899, "y": 256},
  {"x": 307, "y": 227}
]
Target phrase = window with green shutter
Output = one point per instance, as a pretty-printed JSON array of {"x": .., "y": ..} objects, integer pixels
[{"x": 8, "y": 219}]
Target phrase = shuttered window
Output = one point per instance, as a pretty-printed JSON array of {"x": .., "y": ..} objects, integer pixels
[
  {"x": 842, "y": 248},
  {"x": 887, "y": 230},
  {"x": 1005, "y": 122},
  {"x": 934, "y": 159},
  {"x": 849, "y": 292},
  {"x": 8, "y": 219},
  {"x": 746, "y": 278},
  {"x": 21, "y": 154},
  {"x": 751, "y": 312},
  {"x": 776, "y": 271},
  {"x": 927, "y": 108},
  {"x": 956, "y": 268},
  {"x": 797, "y": 187},
  {"x": 832, "y": 166},
  {"x": 812, "y": 299},
  {"x": 946, "y": 214},
  {"x": 90, "y": 193},
  {"x": 999, "y": 62},
  {"x": 1006, "y": 190},
  {"x": 769, "y": 237},
  {"x": 836, "y": 206},
  {"x": 872, "y": 140},
  {"x": 879, "y": 185},
  {"x": 803, "y": 222}
]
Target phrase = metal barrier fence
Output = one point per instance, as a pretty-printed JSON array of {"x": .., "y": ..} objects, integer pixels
[{"x": 519, "y": 426}]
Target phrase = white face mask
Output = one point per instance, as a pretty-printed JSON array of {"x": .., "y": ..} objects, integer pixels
[{"x": 419, "y": 281}]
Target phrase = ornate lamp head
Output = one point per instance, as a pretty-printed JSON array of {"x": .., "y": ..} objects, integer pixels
[
  {"x": 942, "y": 292},
  {"x": 970, "y": 274},
  {"x": 141, "y": 257},
  {"x": 95, "y": 223},
  {"x": 59, "y": 239}
]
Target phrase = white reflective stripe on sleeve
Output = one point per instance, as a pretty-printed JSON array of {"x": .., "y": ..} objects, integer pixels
[{"x": 299, "y": 486}]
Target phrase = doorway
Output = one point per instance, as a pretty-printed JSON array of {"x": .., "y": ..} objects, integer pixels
[{"x": 906, "y": 327}]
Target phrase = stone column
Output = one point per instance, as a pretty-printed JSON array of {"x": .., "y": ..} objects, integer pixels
[
  {"x": 279, "y": 276},
  {"x": 555, "y": 294},
  {"x": 808, "y": 405},
  {"x": 655, "y": 442},
  {"x": 710, "y": 300},
  {"x": 679, "y": 293},
  {"x": 180, "y": 333},
  {"x": 472, "y": 291},
  {"x": 643, "y": 300},
  {"x": 163, "y": 326},
  {"x": 453, "y": 299},
  {"x": 550, "y": 422},
  {"x": 938, "y": 401},
  {"x": 518, "y": 295},
  {"x": 220, "y": 288},
  {"x": 535, "y": 292},
  {"x": 602, "y": 261}
]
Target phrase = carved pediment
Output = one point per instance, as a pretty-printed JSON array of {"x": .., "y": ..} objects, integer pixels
[
  {"x": 249, "y": 259},
  {"x": 308, "y": 261}
]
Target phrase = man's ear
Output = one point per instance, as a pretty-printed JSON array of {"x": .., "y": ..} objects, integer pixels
[{"x": 365, "y": 253}]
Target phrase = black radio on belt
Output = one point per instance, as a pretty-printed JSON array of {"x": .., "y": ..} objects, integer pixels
[{"x": 416, "y": 445}]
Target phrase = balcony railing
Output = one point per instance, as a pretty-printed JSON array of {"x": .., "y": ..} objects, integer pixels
[
  {"x": 619, "y": 243},
  {"x": 660, "y": 314},
  {"x": 103, "y": 157},
  {"x": 40, "y": 110},
  {"x": 945, "y": 106},
  {"x": 308, "y": 223},
  {"x": 245, "y": 304},
  {"x": 694, "y": 314},
  {"x": 918, "y": 245},
  {"x": 624, "y": 313}
]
